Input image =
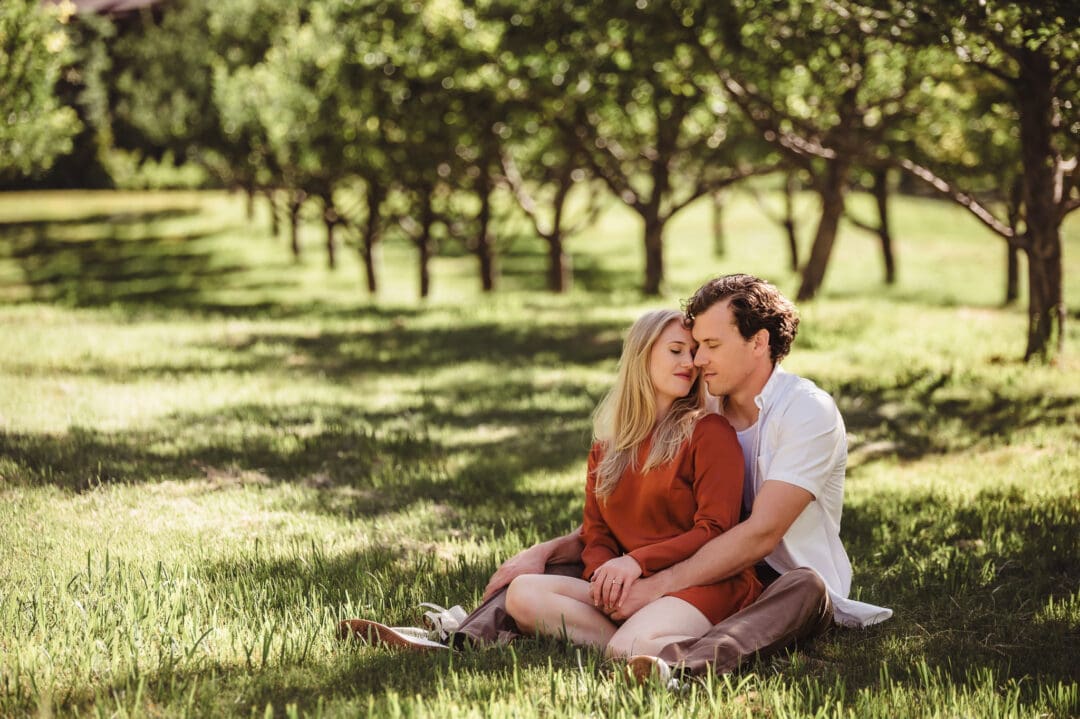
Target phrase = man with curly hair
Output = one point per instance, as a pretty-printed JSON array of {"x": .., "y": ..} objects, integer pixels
[{"x": 795, "y": 454}]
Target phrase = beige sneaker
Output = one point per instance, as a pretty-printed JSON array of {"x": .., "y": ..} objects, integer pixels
[
  {"x": 643, "y": 668},
  {"x": 365, "y": 630},
  {"x": 442, "y": 622}
]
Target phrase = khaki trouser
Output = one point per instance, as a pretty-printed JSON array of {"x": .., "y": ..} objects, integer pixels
[{"x": 794, "y": 608}]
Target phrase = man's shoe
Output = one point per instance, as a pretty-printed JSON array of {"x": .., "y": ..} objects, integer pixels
[
  {"x": 373, "y": 633},
  {"x": 643, "y": 668}
]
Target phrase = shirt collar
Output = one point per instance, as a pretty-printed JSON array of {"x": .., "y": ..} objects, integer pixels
[{"x": 771, "y": 391}]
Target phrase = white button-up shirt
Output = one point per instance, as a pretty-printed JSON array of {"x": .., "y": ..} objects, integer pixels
[{"x": 801, "y": 440}]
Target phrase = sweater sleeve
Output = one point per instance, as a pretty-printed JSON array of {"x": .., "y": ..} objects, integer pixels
[
  {"x": 600, "y": 544},
  {"x": 716, "y": 468}
]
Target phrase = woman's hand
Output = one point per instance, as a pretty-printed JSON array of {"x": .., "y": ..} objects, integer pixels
[
  {"x": 528, "y": 561},
  {"x": 612, "y": 579}
]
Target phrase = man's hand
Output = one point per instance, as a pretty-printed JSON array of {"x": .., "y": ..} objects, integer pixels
[
  {"x": 528, "y": 561},
  {"x": 611, "y": 580},
  {"x": 642, "y": 592}
]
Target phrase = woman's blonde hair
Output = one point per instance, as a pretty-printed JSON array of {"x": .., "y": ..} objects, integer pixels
[{"x": 626, "y": 416}]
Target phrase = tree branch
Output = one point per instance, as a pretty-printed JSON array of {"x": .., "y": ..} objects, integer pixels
[
  {"x": 961, "y": 198},
  {"x": 706, "y": 187},
  {"x": 1063, "y": 176},
  {"x": 865, "y": 226},
  {"x": 800, "y": 148},
  {"x": 590, "y": 216},
  {"x": 763, "y": 206},
  {"x": 987, "y": 67},
  {"x": 517, "y": 187}
]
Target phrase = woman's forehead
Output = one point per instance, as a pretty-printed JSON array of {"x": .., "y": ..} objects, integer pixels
[{"x": 675, "y": 332}]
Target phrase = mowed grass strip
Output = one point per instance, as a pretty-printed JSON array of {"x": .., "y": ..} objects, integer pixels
[{"x": 210, "y": 454}]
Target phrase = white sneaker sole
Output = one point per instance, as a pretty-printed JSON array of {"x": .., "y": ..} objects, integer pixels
[{"x": 374, "y": 633}]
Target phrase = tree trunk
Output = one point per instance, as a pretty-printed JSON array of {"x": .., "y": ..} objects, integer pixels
[
  {"x": 666, "y": 139},
  {"x": 558, "y": 265},
  {"x": 1012, "y": 273},
  {"x": 1012, "y": 252},
  {"x": 719, "y": 240},
  {"x": 484, "y": 251},
  {"x": 423, "y": 244},
  {"x": 331, "y": 259},
  {"x": 249, "y": 206},
  {"x": 881, "y": 197},
  {"x": 330, "y": 220},
  {"x": 832, "y": 208},
  {"x": 789, "y": 221},
  {"x": 423, "y": 241},
  {"x": 275, "y": 223},
  {"x": 654, "y": 254},
  {"x": 1046, "y": 306},
  {"x": 295, "y": 203},
  {"x": 372, "y": 234},
  {"x": 559, "y": 272}
]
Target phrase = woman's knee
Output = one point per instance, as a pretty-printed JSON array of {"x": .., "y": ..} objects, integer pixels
[
  {"x": 521, "y": 600},
  {"x": 624, "y": 643}
]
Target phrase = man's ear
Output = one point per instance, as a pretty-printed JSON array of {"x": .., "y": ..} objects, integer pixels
[{"x": 761, "y": 341}]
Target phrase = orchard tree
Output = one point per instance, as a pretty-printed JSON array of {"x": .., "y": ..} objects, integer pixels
[
  {"x": 474, "y": 108},
  {"x": 1033, "y": 51},
  {"x": 827, "y": 94},
  {"x": 165, "y": 66},
  {"x": 540, "y": 156},
  {"x": 35, "y": 127},
  {"x": 542, "y": 167},
  {"x": 968, "y": 131},
  {"x": 305, "y": 113},
  {"x": 650, "y": 123}
]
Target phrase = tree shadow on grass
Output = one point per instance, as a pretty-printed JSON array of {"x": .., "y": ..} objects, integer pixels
[
  {"x": 971, "y": 586},
  {"x": 363, "y": 677},
  {"x": 526, "y": 268},
  {"x": 357, "y": 464},
  {"x": 404, "y": 348},
  {"x": 962, "y": 608},
  {"x": 133, "y": 262},
  {"x": 933, "y": 412},
  {"x": 281, "y": 612}
]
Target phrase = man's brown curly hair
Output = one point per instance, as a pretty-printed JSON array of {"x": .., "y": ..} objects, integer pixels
[{"x": 755, "y": 304}]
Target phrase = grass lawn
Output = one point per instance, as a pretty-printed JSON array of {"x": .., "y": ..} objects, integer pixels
[{"x": 210, "y": 454}]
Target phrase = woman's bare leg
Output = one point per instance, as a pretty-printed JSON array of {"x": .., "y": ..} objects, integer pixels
[
  {"x": 558, "y": 606},
  {"x": 656, "y": 625}
]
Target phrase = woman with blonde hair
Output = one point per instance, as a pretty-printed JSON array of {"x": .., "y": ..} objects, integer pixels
[{"x": 664, "y": 477}]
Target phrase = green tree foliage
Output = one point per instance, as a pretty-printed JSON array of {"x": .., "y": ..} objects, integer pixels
[
  {"x": 626, "y": 84},
  {"x": 830, "y": 95},
  {"x": 34, "y": 127},
  {"x": 409, "y": 117},
  {"x": 1033, "y": 51},
  {"x": 166, "y": 63},
  {"x": 539, "y": 154}
]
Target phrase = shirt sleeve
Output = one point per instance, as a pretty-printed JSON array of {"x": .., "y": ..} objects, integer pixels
[
  {"x": 810, "y": 443},
  {"x": 717, "y": 477},
  {"x": 600, "y": 544}
]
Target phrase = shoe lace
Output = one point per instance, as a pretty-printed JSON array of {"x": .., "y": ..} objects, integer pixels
[{"x": 442, "y": 622}]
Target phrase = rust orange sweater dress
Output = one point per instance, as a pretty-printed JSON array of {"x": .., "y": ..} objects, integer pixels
[{"x": 663, "y": 516}]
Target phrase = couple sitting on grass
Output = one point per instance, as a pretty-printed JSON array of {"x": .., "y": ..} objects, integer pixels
[{"x": 662, "y": 572}]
